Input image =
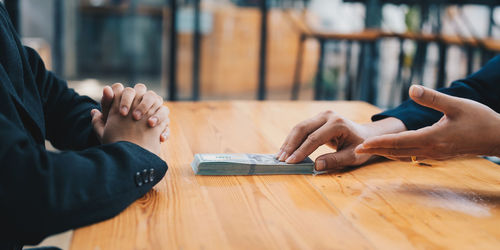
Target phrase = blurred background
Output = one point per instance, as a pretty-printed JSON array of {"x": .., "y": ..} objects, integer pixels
[{"x": 369, "y": 50}]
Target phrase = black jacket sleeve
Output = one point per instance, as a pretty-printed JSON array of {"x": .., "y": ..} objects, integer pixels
[
  {"x": 67, "y": 114},
  {"x": 482, "y": 86},
  {"x": 42, "y": 193}
]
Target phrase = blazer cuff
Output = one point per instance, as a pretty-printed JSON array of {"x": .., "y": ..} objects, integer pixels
[{"x": 413, "y": 116}]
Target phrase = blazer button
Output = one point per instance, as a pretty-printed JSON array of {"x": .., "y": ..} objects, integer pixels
[
  {"x": 138, "y": 179},
  {"x": 145, "y": 177},
  {"x": 151, "y": 175}
]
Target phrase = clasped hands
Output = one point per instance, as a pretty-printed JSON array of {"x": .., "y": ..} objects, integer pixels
[
  {"x": 466, "y": 128},
  {"x": 132, "y": 114}
]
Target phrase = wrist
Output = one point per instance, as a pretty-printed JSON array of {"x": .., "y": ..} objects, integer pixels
[{"x": 388, "y": 125}]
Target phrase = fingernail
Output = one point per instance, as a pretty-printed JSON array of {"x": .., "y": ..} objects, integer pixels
[
  {"x": 153, "y": 120},
  {"x": 124, "y": 110},
  {"x": 92, "y": 112},
  {"x": 282, "y": 156},
  {"x": 291, "y": 158},
  {"x": 320, "y": 165},
  {"x": 417, "y": 91},
  {"x": 277, "y": 155},
  {"x": 137, "y": 114}
]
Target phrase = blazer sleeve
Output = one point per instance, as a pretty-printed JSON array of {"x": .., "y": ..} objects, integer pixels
[
  {"x": 482, "y": 86},
  {"x": 43, "y": 193},
  {"x": 67, "y": 114}
]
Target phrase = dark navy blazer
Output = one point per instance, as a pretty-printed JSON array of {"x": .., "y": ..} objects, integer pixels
[
  {"x": 482, "y": 86},
  {"x": 42, "y": 192}
]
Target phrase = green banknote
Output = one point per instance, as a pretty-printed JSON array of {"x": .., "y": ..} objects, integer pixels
[{"x": 247, "y": 164}]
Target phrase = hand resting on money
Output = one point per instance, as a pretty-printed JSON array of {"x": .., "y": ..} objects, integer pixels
[{"x": 337, "y": 132}]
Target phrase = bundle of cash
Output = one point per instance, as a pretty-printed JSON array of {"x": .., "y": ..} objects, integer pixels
[{"x": 247, "y": 164}]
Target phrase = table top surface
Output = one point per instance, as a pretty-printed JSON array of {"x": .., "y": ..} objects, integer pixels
[{"x": 384, "y": 205}]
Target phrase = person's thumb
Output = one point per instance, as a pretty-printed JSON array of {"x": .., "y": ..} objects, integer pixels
[
  {"x": 335, "y": 161},
  {"x": 433, "y": 99},
  {"x": 97, "y": 122},
  {"x": 106, "y": 101}
]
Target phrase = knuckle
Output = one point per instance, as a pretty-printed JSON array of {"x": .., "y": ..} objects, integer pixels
[
  {"x": 299, "y": 127},
  {"x": 147, "y": 102},
  {"x": 140, "y": 85},
  {"x": 288, "y": 148},
  {"x": 337, "y": 119},
  {"x": 141, "y": 107},
  {"x": 116, "y": 85},
  {"x": 328, "y": 112},
  {"x": 163, "y": 111},
  {"x": 156, "y": 113},
  {"x": 159, "y": 100},
  {"x": 150, "y": 97},
  {"x": 341, "y": 128},
  {"x": 151, "y": 112},
  {"x": 129, "y": 90},
  {"x": 313, "y": 139}
]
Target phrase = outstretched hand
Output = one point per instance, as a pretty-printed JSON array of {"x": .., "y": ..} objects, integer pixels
[
  {"x": 337, "y": 132},
  {"x": 467, "y": 128}
]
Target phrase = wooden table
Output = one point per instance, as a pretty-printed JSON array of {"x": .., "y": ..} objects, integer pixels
[{"x": 385, "y": 205}]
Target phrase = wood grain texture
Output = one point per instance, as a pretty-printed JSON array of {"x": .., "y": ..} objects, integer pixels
[{"x": 384, "y": 205}]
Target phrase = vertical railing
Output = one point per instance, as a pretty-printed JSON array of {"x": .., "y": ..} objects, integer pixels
[
  {"x": 261, "y": 93},
  {"x": 196, "y": 51},
  {"x": 172, "y": 62}
]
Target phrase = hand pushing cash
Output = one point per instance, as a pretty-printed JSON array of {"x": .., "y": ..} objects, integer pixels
[{"x": 247, "y": 164}]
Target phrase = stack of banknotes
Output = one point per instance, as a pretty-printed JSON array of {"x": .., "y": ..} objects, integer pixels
[{"x": 247, "y": 164}]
